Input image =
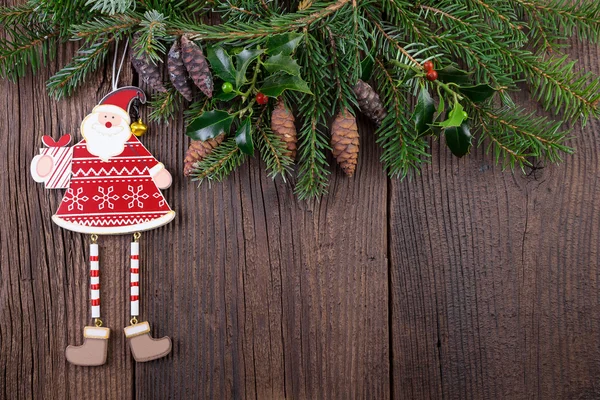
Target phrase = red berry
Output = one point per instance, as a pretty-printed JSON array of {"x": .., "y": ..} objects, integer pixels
[
  {"x": 261, "y": 99},
  {"x": 432, "y": 76},
  {"x": 428, "y": 66}
]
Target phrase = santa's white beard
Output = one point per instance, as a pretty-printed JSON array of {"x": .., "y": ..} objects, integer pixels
[{"x": 102, "y": 141}]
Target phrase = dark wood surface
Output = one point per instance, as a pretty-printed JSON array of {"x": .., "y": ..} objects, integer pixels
[{"x": 465, "y": 282}]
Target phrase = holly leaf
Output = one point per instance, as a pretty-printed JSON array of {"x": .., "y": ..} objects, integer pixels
[
  {"x": 456, "y": 117},
  {"x": 451, "y": 74},
  {"x": 243, "y": 138},
  {"x": 366, "y": 67},
  {"x": 276, "y": 84},
  {"x": 209, "y": 125},
  {"x": 283, "y": 63},
  {"x": 225, "y": 96},
  {"x": 423, "y": 115},
  {"x": 221, "y": 63},
  {"x": 459, "y": 139},
  {"x": 478, "y": 93},
  {"x": 242, "y": 61},
  {"x": 284, "y": 43}
]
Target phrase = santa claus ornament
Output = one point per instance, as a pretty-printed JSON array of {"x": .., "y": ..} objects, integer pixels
[{"x": 113, "y": 187}]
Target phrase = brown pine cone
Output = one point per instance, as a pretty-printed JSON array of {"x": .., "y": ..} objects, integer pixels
[
  {"x": 198, "y": 150},
  {"x": 177, "y": 72},
  {"x": 197, "y": 66},
  {"x": 282, "y": 125},
  {"x": 344, "y": 141},
  {"x": 369, "y": 102},
  {"x": 148, "y": 71}
]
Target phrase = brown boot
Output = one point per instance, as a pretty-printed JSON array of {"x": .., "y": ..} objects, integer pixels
[
  {"x": 143, "y": 346},
  {"x": 93, "y": 350}
]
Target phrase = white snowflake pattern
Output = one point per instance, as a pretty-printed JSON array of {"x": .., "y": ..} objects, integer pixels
[
  {"x": 76, "y": 199},
  {"x": 105, "y": 198},
  {"x": 135, "y": 196},
  {"x": 162, "y": 199}
]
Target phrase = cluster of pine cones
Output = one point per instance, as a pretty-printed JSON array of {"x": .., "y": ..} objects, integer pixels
[
  {"x": 186, "y": 64},
  {"x": 344, "y": 131}
]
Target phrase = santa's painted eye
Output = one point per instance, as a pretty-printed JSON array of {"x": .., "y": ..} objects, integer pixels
[{"x": 113, "y": 117}]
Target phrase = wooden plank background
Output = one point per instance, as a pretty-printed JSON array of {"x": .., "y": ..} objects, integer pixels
[{"x": 466, "y": 282}]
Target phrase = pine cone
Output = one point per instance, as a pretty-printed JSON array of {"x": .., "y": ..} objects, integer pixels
[
  {"x": 344, "y": 141},
  {"x": 282, "y": 125},
  {"x": 198, "y": 150},
  {"x": 369, "y": 102},
  {"x": 197, "y": 66},
  {"x": 148, "y": 71},
  {"x": 177, "y": 72}
]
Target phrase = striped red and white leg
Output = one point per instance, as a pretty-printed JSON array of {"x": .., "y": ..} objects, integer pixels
[
  {"x": 135, "y": 279},
  {"x": 143, "y": 346},
  {"x": 94, "y": 280},
  {"x": 94, "y": 349}
]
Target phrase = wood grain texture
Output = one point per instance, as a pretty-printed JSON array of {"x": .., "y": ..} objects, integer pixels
[
  {"x": 264, "y": 297},
  {"x": 494, "y": 276},
  {"x": 464, "y": 283},
  {"x": 268, "y": 297},
  {"x": 44, "y": 270}
]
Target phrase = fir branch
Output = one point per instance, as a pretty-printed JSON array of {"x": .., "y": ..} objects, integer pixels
[
  {"x": 87, "y": 60},
  {"x": 272, "y": 149},
  {"x": 564, "y": 18},
  {"x": 117, "y": 25},
  {"x": 559, "y": 88},
  {"x": 257, "y": 29},
  {"x": 313, "y": 171},
  {"x": 403, "y": 152},
  {"x": 522, "y": 134},
  {"x": 343, "y": 88},
  {"x": 17, "y": 15},
  {"x": 217, "y": 165},
  {"x": 31, "y": 48},
  {"x": 394, "y": 42},
  {"x": 110, "y": 7},
  {"x": 164, "y": 105},
  {"x": 149, "y": 39}
]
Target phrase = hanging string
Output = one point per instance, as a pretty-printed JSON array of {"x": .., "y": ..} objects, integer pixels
[{"x": 116, "y": 73}]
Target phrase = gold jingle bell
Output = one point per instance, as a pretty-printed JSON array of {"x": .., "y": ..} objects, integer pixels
[{"x": 138, "y": 128}]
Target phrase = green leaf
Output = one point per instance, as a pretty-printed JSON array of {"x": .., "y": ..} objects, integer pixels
[
  {"x": 242, "y": 61},
  {"x": 366, "y": 67},
  {"x": 283, "y": 63},
  {"x": 243, "y": 137},
  {"x": 478, "y": 93},
  {"x": 423, "y": 115},
  {"x": 455, "y": 117},
  {"x": 225, "y": 96},
  {"x": 284, "y": 43},
  {"x": 458, "y": 139},
  {"x": 452, "y": 74},
  {"x": 221, "y": 63},
  {"x": 276, "y": 84},
  {"x": 209, "y": 125}
]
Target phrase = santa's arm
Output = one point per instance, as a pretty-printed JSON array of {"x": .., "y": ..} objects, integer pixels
[{"x": 161, "y": 177}]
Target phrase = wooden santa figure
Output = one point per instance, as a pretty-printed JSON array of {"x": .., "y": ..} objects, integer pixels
[{"x": 113, "y": 187}]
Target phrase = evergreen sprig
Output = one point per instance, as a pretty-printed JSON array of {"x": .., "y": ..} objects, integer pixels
[{"x": 483, "y": 50}]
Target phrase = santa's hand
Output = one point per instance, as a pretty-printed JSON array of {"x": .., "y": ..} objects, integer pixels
[
  {"x": 41, "y": 167},
  {"x": 161, "y": 177}
]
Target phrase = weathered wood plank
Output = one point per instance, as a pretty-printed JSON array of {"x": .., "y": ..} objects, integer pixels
[
  {"x": 44, "y": 300},
  {"x": 494, "y": 278},
  {"x": 270, "y": 297}
]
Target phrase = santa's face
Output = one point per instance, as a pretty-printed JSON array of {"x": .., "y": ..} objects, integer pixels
[{"x": 105, "y": 134}]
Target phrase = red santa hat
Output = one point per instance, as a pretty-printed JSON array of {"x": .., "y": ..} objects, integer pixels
[{"x": 119, "y": 101}]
